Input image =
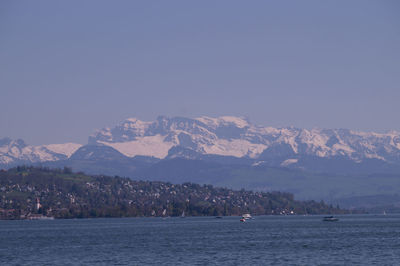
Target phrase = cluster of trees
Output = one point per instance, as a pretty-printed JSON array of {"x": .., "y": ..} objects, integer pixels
[{"x": 63, "y": 194}]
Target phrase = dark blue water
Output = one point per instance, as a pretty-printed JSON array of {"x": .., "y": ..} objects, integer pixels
[{"x": 289, "y": 240}]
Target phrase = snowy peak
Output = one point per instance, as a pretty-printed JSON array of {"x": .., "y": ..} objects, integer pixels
[
  {"x": 17, "y": 151},
  {"x": 222, "y": 136},
  {"x": 236, "y": 136},
  {"x": 128, "y": 130},
  {"x": 224, "y": 121},
  {"x": 66, "y": 149},
  {"x": 170, "y": 137},
  {"x": 7, "y": 142}
]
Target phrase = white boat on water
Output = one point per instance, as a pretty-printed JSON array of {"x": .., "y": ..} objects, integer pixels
[{"x": 247, "y": 216}]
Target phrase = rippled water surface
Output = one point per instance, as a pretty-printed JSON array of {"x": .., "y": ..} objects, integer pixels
[{"x": 289, "y": 240}]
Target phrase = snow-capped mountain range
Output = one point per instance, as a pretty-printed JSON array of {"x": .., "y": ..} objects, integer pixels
[
  {"x": 17, "y": 151},
  {"x": 223, "y": 136}
]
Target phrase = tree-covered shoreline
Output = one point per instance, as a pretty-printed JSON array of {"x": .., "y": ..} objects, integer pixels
[{"x": 31, "y": 191}]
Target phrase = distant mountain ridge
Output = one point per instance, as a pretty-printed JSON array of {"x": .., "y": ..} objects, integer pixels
[
  {"x": 14, "y": 152},
  {"x": 168, "y": 138},
  {"x": 329, "y": 164},
  {"x": 235, "y": 136}
]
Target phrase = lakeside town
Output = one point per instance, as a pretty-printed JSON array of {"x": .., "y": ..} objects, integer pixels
[{"x": 34, "y": 193}]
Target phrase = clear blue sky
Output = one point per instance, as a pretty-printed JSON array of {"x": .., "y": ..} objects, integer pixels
[{"x": 70, "y": 67}]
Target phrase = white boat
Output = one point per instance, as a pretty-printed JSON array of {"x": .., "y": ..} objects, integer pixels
[
  {"x": 183, "y": 214},
  {"x": 247, "y": 216}
]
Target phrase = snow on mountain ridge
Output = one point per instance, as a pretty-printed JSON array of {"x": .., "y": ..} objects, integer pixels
[
  {"x": 215, "y": 122},
  {"x": 154, "y": 146},
  {"x": 66, "y": 148},
  {"x": 235, "y": 136},
  {"x": 226, "y": 136},
  {"x": 202, "y": 135},
  {"x": 12, "y": 151}
]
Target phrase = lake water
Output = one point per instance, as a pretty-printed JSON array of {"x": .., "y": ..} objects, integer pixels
[{"x": 276, "y": 240}]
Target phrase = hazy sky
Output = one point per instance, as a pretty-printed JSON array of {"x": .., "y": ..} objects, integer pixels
[{"x": 70, "y": 67}]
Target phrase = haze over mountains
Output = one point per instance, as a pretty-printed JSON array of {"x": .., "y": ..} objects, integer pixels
[{"x": 228, "y": 151}]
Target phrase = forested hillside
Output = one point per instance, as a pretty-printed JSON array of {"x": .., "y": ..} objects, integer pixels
[{"x": 27, "y": 191}]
